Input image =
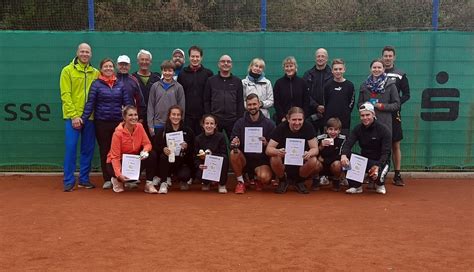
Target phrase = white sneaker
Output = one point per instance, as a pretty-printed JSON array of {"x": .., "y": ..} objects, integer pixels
[
  {"x": 323, "y": 180},
  {"x": 163, "y": 188},
  {"x": 150, "y": 188},
  {"x": 354, "y": 190},
  {"x": 117, "y": 186},
  {"x": 380, "y": 189},
  {"x": 168, "y": 180},
  {"x": 190, "y": 181},
  {"x": 107, "y": 185},
  {"x": 222, "y": 189},
  {"x": 156, "y": 181}
]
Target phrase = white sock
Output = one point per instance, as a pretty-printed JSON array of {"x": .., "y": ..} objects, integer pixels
[{"x": 240, "y": 179}]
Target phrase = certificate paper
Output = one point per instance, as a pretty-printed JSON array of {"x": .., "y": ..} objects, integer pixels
[
  {"x": 252, "y": 143},
  {"x": 178, "y": 138},
  {"x": 294, "y": 151},
  {"x": 214, "y": 168},
  {"x": 131, "y": 166},
  {"x": 357, "y": 170}
]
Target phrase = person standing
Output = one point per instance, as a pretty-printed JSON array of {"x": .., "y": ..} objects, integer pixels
[
  {"x": 223, "y": 96},
  {"x": 146, "y": 78},
  {"x": 339, "y": 96},
  {"x": 403, "y": 87},
  {"x": 316, "y": 78},
  {"x": 131, "y": 85},
  {"x": 256, "y": 82},
  {"x": 290, "y": 91},
  {"x": 106, "y": 99},
  {"x": 75, "y": 81},
  {"x": 193, "y": 78},
  {"x": 178, "y": 58}
]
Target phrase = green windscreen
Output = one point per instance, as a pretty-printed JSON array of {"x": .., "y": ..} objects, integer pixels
[{"x": 437, "y": 120}]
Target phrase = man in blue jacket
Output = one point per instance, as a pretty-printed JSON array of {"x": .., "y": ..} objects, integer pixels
[{"x": 131, "y": 85}]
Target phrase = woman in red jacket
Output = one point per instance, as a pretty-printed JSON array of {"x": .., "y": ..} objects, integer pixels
[{"x": 130, "y": 138}]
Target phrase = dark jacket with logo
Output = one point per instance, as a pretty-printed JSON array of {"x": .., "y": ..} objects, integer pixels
[{"x": 375, "y": 142}]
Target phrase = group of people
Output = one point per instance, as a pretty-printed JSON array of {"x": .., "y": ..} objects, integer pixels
[{"x": 215, "y": 114}]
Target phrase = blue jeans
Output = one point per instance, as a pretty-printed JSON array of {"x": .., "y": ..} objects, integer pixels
[{"x": 87, "y": 134}]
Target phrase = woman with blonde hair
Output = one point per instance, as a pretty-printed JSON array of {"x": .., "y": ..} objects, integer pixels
[{"x": 256, "y": 82}]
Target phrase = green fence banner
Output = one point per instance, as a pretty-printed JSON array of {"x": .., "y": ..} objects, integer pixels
[{"x": 438, "y": 120}]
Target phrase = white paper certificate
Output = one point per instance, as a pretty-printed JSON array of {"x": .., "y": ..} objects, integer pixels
[
  {"x": 252, "y": 143},
  {"x": 357, "y": 170},
  {"x": 214, "y": 167},
  {"x": 178, "y": 138},
  {"x": 294, "y": 151},
  {"x": 131, "y": 166}
]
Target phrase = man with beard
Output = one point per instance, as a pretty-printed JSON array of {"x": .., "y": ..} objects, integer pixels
[
  {"x": 252, "y": 162},
  {"x": 178, "y": 58}
]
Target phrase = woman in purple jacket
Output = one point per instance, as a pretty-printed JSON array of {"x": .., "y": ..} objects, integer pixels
[{"x": 106, "y": 98}]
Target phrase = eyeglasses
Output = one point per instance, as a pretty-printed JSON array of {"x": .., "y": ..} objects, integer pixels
[{"x": 225, "y": 61}]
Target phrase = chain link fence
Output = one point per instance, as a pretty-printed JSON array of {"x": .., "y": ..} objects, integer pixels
[{"x": 241, "y": 16}]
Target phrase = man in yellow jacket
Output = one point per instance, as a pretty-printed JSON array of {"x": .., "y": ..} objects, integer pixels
[{"x": 75, "y": 80}]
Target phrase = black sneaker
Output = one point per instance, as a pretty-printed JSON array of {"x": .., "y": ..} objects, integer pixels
[
  {"x": 398, "y": 181},
  {"x": 301, "y": 188},
  {"x": 315, "y": 185},
  {"x": 87, "y": 185},
  {"x": 282, "y": 186}
]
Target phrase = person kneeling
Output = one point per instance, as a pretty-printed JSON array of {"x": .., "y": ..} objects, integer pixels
[
  {"x": 330, "y": 146},
  {"x": 294, "y": 128},
  {"x": 375, "y": 141},
  {"x": 130, "y": 138},
  {"x": 210, "y": 142},
  {"x": 176, "y": 158},
  {"x": 252, "y": 159}
]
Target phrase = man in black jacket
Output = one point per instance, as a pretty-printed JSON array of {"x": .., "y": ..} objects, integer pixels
[
  {"x": 131, "y": 84},
  {"x": 316, "y": 78},
  {"x": 193, "y": 78},
  {"x": 375, "y": 141},
  {"x": 223, "y": 96}
]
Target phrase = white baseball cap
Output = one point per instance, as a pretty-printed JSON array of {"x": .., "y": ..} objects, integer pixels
[
  {"x": 367, "y": 106},
  {"x": 123, "y": 58}
]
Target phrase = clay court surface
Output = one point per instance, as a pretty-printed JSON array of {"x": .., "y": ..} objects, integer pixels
[{"x": 427, "y": 226}]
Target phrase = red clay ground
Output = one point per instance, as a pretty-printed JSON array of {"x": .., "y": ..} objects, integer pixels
[{"x": 427, "y": 225}]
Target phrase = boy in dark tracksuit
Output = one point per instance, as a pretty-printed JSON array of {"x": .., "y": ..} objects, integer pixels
[{"x": 330, "y": 147}]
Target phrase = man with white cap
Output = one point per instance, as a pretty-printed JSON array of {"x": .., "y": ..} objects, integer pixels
[
  {"x": 178, "y": 58},
  {"x": 375, "y": 141},
  {"x": 131, "y": 85}
]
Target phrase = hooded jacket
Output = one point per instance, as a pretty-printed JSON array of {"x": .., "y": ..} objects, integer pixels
[
  {"x": 74, "y": 84},
  {"x": 124, "y": 142},
  {"x": 263, "y": 89}
]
